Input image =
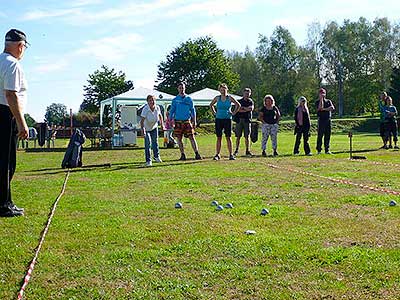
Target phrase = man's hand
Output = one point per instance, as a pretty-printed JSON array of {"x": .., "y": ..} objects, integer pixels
[{"x": 23, "y": 131}]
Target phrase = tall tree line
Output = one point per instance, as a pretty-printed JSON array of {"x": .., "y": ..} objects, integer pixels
[{"x": 355, "y": 61}]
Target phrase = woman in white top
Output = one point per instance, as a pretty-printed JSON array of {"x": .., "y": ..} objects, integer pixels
[{"x": 151, "y": 114}]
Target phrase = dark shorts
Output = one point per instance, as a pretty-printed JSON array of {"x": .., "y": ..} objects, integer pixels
[
  {"x": 391, "y": 130},
  {"x": 224, "y": 125},
  {"x": 243, "y": 126},
  {"x": 382, "y": 129},
  {"x": 183, "y": 128}
]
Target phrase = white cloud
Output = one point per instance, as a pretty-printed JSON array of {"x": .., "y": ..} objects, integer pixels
[
  {"x": 49, "y": 67},
  {"x": 84, "y": 2},
  {"x": 111, "y": 49},
  {"x": 211, "y": 8},
  {"x": 138, "y": 14},
  {"x": 218, "y": 31},
  {"x": 144, "y": 82},
  {"x": 44, "y": 14}
]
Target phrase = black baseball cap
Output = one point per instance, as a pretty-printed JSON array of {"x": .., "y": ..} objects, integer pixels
[{"x": 15, "y": 35}]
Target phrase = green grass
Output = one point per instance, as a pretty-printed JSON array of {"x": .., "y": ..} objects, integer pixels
[{"x": 116, "y": 234}]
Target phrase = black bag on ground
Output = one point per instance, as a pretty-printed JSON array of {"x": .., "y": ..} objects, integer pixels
[
  {"x": 254, "y": 132},
  {"x": 73, "y": 155},
  {"x": 42, "y": 133}
]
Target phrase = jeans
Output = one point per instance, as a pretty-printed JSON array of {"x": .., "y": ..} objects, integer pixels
[{"x": 151, "y": 138}]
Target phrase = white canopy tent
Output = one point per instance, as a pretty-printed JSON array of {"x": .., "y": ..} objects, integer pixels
[{"x": 204, "y": 96}]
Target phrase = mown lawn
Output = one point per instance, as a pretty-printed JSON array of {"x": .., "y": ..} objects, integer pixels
[{"x": 117, "y": 235}]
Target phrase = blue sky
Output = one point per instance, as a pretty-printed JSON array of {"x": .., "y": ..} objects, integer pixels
[{"x": 71, "y": 39}]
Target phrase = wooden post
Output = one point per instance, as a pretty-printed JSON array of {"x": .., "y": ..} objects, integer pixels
[{"x": 70, "y": 117}]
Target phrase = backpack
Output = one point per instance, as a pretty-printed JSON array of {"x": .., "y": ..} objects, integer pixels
[
  {"x": 254, "y": 132},
  {"x": 73, "y": 155}
]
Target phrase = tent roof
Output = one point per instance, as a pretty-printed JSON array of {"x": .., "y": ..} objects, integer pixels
[
  {"x": 206, "y": 95},
  {"x": 138, "y": 96}
]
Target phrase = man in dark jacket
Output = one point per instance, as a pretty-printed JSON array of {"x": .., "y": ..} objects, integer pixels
[{"x": 324, "y": 109}]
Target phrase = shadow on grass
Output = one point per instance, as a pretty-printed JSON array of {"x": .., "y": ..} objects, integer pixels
[{"x": 112, "y": 167}]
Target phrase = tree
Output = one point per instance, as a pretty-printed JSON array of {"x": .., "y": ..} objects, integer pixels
[
  {"x": 246, "y": 65},
  {"x": 55, "y": 113},
  {"x": 199, "y": 63},
  {"x": 103, "y": 84},
  {"x": 278, "y": 57},
  {"x": 394, "y": 90},
  {"x": 29, "y": 120}
]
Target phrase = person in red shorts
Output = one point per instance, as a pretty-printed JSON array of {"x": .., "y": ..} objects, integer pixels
[{"x": 183, "y": 114}]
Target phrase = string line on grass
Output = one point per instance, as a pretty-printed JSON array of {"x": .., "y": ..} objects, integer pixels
[
  {"x": 378, "y": 163},
  {"x": 363, "y": 186},
  {"x": 43, "y": 235}
]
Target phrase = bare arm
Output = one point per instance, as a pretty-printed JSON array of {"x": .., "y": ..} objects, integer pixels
[
  {"x": 237, "y": 105},
  {"x": 161, "y": 119},
  {"x": 142, "y": 125},
  {"x": 212, "y": 105},
  {"x": 12, "y": 100},
  {"x": 261, "y": 117},
  {"x": 278, "y": 114}
]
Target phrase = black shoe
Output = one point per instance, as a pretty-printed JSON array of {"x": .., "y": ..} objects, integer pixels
[
  {"x": 16, "y": 208},
  {"x": 9, "y": 213},
  {"x": 197, "y": 156},
  {"x": 275, "y": 153},
  {"x": 236, "y": 152},
  {"x": 390, "y": 146},
  {"x": 217, "y": 157},
  {"x": 183, "y": 156},
  {"x": 231, "y": 157},
  {"x": 248, "y": 153},
  {"x": 264, "y": 154}
]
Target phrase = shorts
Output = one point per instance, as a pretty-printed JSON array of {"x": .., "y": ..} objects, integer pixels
[
  {"x": 224, "y": 125},
  {"x": 243, "y": 126},
  {"x": 183, "y": 128},
  {"x": 382, "y": 129}
]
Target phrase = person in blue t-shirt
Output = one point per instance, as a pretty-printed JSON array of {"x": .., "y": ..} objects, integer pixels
[
  {"x": 390, "y": 122},
  {"x": 223, "y": 118},
  {"x": 183, "y": 114}
]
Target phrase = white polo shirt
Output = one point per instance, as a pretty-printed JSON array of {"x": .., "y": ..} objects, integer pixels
[
  {"x": 150, "y": 117},
  {"x": 12, "y": 78}
]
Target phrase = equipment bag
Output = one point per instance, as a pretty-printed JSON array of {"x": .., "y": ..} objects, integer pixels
[{"x": 73, "y": 155}]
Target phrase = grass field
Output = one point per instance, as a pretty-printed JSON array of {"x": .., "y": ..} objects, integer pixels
[{"x": 117, "y": 235}]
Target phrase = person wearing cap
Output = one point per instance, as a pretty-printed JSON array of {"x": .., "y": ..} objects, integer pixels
[
  {"x": 324, "y": 109},
  {"x": 12, "y": 121},
  {"x": 242, "y": 120},
  {"x": 303, "y": 124}
]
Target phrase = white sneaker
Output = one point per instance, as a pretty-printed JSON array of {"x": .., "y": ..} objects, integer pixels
[
  {"x": 149, "y": 163},
  {"x": 158, "y": 159}
]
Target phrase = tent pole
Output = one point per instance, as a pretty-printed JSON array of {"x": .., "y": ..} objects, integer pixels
[{"x": 113, "y": 122}]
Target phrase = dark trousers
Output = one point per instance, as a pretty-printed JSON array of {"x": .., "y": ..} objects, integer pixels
[
  {"x": 324, "y": 130},
  {"x": 305, "y": 133},
  {"x": 8, "y": 149}
]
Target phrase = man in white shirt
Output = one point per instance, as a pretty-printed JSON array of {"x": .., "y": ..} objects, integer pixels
[{"x": 12, "y": 122}]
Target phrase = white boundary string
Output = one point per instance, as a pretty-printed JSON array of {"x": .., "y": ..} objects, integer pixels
[{"x": 44, "y": 232}]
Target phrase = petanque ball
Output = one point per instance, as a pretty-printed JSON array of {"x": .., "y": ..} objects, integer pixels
[
  {"x": 178, "y": 205},
  {"x": 264, "y": 212},
  {"x": 392, "y": 203},
  {"x": 214, "y": 203},
  {"x": 219, "y": 207},
  {"x": 229, "y": 205}
]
